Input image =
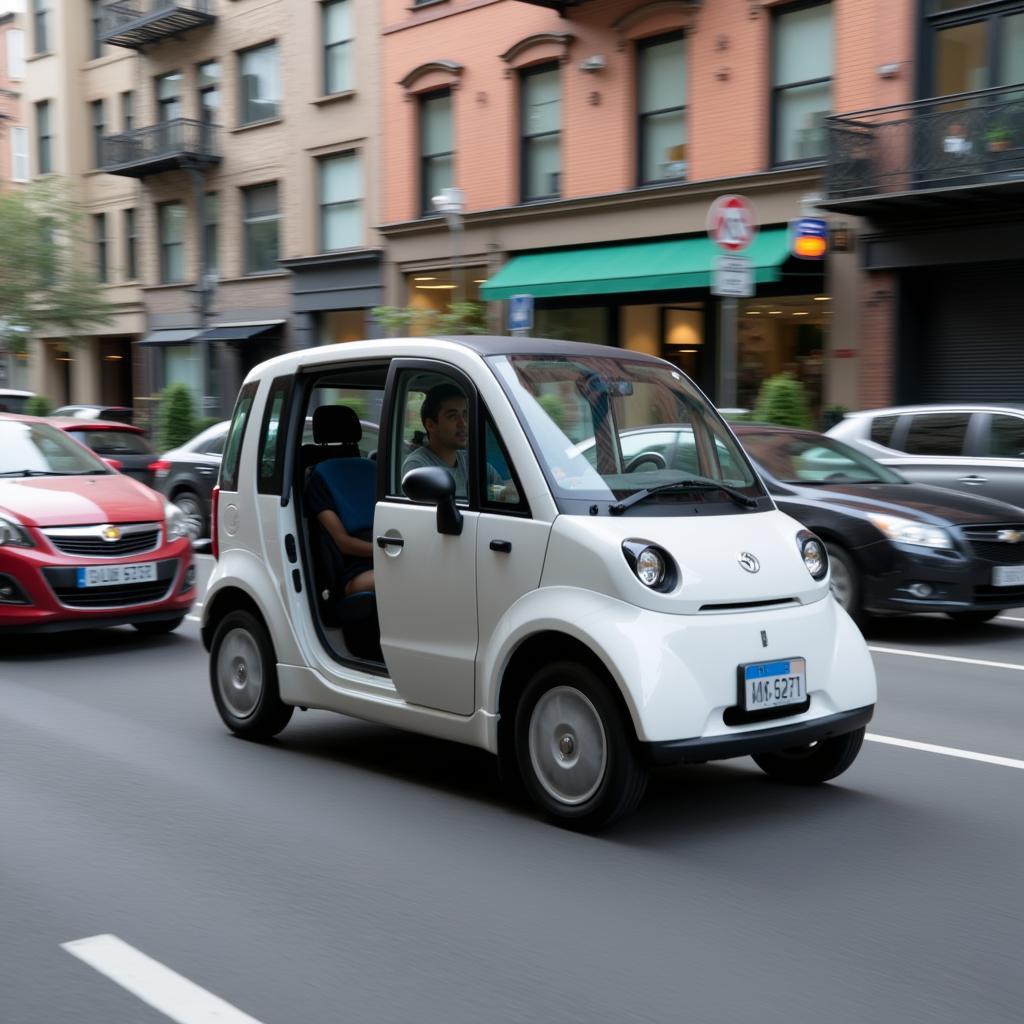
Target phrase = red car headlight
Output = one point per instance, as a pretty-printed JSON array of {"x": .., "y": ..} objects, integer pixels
[{"x": 13, "y": 534}]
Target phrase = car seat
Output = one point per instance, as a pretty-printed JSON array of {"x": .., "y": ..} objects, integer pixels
[{"x": 336, "y": 435}]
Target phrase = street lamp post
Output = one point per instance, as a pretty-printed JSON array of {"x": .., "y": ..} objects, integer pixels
[{"x": 450, "y": 203}]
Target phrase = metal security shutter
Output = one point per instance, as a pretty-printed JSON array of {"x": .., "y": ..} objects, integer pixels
[{"x": 973, "y": 346}]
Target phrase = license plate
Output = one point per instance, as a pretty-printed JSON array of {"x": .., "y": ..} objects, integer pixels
[
  {"x": 112, "y": 575},
  {"x": 1008, "y": 576},
  {"x": 773, "y": 684}
]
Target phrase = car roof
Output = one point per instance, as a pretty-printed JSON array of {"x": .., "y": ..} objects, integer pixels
[
  {"x": 15, "y": 393},
  {"x": 894, "y": 410},
  {"x": 71, "y": 423}
]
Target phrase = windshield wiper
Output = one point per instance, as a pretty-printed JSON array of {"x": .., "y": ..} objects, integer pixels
[
  {"x": 31, "y": 472},
  {"x": 691, "y": 485}
]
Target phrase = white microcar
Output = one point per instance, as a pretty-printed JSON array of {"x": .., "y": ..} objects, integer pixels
[{"x": 445, "y": 535}]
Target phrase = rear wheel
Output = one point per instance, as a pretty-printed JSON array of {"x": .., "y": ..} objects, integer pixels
[
  {"x": 575, "y": 749},
  {"x": 243, "y": 676},
  {"x": 192, "y": 509},
  {"x": 972, "y": 618},
  {"x": 815, "y": 763},
  {"x": 160, "y": 627}
]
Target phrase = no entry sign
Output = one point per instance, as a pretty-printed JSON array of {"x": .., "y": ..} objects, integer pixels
[{"x": 732, "y": 223}]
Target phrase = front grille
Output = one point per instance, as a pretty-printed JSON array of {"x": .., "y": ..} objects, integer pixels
[
  {"x": 985, "y": 543},
  {"x": 89, "y": 542},
  {"x": 746, "y": 606},
  {"x": 1003, "y": 596},
  {"x": 112, "y": 597}
]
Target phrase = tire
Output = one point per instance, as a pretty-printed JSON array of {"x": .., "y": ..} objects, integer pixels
[
  {"x": 243, "y": 677},
  {"x": 191, "y": 506},
  {"x": 160, "y": 627},
  {"x": 845, "y": 583},
  {"x": 815, "y": 763},
  {"x": 575, "y": 749},
  {"x": 973, "y": 618}
]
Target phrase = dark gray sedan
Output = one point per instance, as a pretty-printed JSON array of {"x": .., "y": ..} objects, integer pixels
[{"x": 187, "y": 476}]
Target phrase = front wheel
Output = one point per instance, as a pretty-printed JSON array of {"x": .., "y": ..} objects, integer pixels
[
  {"x": 575, "y": 749},
  {"x": 972, "y": 618},
  {"x": 815, "y": 763},
  {"x": 243, "y": 676},
  {"x": 190, "y": 506}
]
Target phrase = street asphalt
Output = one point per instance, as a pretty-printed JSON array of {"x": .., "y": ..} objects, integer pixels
[{"x": 350, "y": 873}]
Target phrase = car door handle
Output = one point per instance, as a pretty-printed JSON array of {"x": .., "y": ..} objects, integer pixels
[
  {"x": 501, "y": 545},
  {"x": 207, "y": 470},
  {"x": 393, "y": 542},
  {"x": 972, "y": 480}
]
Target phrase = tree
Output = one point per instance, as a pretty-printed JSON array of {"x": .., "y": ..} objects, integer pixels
[
  {"x": 176, "y": 418},
  {"x": 782, "y": 401},
  {"x": 460, "y": 318},
  {"x": 44, "y": 284}
]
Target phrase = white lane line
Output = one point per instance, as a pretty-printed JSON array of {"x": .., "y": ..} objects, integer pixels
[
  {"x": 157, "y": 986},
  {"x": 1010, "y": 618},
  {"x": 194, "y": 618},
  {"x": 931, "y": 748},
  {"x": 948, "y": 657}
]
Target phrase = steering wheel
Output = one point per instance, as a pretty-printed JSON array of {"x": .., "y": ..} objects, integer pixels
[
  {"x": 836, "y": 478},
  {"x": 656, "y": 458}
]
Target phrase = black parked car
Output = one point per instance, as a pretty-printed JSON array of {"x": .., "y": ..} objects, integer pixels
[
  {"x": 187, "y": 476},
  {"x": 894, "y": 546}
]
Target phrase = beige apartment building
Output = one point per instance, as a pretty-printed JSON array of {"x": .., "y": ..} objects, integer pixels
[{"x": 225, "y": 152}]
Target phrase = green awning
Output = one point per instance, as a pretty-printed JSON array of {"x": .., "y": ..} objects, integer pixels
[{"x": 636, "y": 267}]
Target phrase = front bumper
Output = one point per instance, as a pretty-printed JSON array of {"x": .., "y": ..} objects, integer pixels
[{"x": 763, "y": 741}]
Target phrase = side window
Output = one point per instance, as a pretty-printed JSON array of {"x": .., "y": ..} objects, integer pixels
[
  {"x": 882, "y": 428},
  {"x": 272, "y": 436},
  {"x": 501, "y": 491},
  {"x": 215, "y": 446},
  {"x": 934, "y": 433},
  {"x": 430, "y": 428},
  {"x": 236, "y": 434},
  {"x": 1006, "y": 438}
]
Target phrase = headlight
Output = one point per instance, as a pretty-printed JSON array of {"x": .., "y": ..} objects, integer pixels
[
  {"x": 906, "y": 531},
  {"x": 813, "y": 553},
  {"x": 14, "y": 535},
  {"x": 175, "y": 520},
  {"x": 653, "y": 567}
]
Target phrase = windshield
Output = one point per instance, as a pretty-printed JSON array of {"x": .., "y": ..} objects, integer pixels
[
  {"x": 113, "y": 442},
  {"x": 605, "y": 428},
  {"x": 815, "y": 459},
  {"x": 37, "y": 449}
]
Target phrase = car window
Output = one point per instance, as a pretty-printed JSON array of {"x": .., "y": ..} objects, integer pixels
[
  {"x": 811, "y": 459},
  {"x": 1006, "y": 437},
  {"x": 937, "y": 433},
  {"x": 501, "y": 491},
  {"x": 37, "y": 448},
  {"x": 882, "y": 428},
  {"x": 113, "y": 442},
  {"x": 268, "y": 480},
  {"x": 215, "y": 446},
  {"x": 236, "y": 434}
]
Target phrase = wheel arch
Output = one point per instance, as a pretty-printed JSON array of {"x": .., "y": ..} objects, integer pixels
[{"x": 225, "y": 601}]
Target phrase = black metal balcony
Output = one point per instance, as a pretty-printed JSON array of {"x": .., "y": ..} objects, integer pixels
[
  {"x": 964, "y": 151},
  {"x": 169, "y": 146},
  {"x": 140, "y": 23}
]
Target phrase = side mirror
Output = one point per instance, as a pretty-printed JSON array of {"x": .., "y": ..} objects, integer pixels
[{"x": 432, "y": 485}]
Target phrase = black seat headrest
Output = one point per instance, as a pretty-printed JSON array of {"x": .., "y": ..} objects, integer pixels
[{"x": 336, "y": 424}]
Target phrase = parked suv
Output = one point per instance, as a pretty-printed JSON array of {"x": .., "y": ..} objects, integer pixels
[
  {"x": 580, "y": 620},
  {"x": 975, "y": 448}
]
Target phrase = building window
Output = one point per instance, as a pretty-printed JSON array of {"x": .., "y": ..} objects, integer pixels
[
  {"x": 981, "y": 47},
  {"x": 171, "y": 227},
  {"x": 341, "y": 202},
  {"x": 541, "y": 105},
  {"x": 127, "y": 111},
  {"x": 99, "y": 234},
  {"x": 261, "y": 227},
  {"x": 337, "y": 23},
  {"x": 168, "y": 97},
  {"x": 96, "y": 21},
  {"x": 19, "y": 153},
  {"x": 131, "y": 246},
  {"x": 44, "y": 138},
  {"x": 98, "y": 130},
  {"x": 15, "y": 54},
  {"x": 209, "y": 91},
  {"x": 437, "y": 147},
  {"x": 211, "y": 216},
  {"x": 40, "y": 26},
  {"x": 259, "y": 85},
  {"x": 802, "y": 79},
  {"x": 661, "y": 99}
]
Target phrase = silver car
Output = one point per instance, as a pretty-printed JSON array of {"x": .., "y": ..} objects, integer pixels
[{"x": 976, "y": 447}]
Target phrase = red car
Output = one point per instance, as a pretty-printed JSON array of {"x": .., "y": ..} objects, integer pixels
[
  {"x": 118, "y": 443},
  {"x": 82, "y": 545}
]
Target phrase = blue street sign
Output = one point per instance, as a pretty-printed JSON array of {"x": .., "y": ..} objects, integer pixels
[
  {"x": 808, "y": 238},
  {"x": 520, "y": 313}
]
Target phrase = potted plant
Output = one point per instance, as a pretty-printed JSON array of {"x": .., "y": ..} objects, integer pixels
[{"x": 998, "y": 139}]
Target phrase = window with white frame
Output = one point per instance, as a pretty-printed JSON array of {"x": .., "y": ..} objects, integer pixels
[
  {"x": 261, "y": 226},
  {"x": 171, "y": 228},
  {"x": 437, "y": 147},
  {"x": 259, "y": 84},
  {"x": 338, "y": 49},
  {"x": 19, "y": 153},
  {"x": 802, "y": 63},
  {"x": 341, "y": 202},
  {"x": 541, "y": 126},
  {"x": 15, "y": 54},
  {"x": 661, "y": 105}
]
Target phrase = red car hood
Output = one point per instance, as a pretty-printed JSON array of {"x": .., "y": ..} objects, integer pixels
[{"x": 79, "y": 501}]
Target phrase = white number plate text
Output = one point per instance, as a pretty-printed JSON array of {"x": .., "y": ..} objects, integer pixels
[{"x": 111, "y": 575}]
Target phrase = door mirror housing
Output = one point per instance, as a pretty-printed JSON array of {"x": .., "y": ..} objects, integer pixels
[{"x": 433, "y": 485}]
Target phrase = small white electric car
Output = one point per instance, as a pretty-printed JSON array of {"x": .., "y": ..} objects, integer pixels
[{"x": 487, "y": 566}]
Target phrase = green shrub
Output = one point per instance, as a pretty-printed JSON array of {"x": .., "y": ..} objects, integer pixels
[
  {"x": 176, "y": 417},
  {"x": 782, "y": 401},
  {"x": 38, "y": 405}
]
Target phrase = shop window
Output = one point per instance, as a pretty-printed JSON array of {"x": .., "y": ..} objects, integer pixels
[
  {"x": 589, "y": 324},
  {"x": 342, "y": 325},
  {"x": 802, "y": 62}
]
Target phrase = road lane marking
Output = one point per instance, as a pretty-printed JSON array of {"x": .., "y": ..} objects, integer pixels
[
  {"x": 947, "y": 657},
  {"x": 1010, "y": 618},
  {"x": 931, "y": 748},
  {"x": 194, "y": 618},
  {"x": 157, "y": 986}
]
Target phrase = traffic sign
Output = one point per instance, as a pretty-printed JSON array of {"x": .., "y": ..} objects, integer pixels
[
  {"x": 520, "y": 313},
  {"x": 808, "y": 238},
  {"x": 732, "y": 223},
  {"x": 733, "y": 277}
]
